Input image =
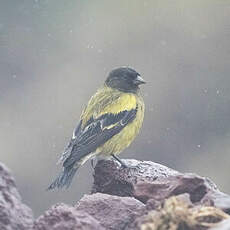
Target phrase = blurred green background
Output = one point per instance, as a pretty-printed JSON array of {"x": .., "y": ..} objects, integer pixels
[{"x": 54, "y": 54}]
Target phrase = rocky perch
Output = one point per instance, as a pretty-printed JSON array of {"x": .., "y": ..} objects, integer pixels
[{"x": 144, "y": 196}]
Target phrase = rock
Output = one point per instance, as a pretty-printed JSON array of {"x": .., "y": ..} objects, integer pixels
[
  {"x": 224, "y": 225},
  {"x": 217, "y": 199},
  {"x": 147, "y": 180},
  {"x": 144, "y": 196},
  {"x": 14, "y": 215},
  {"x": 64, "y": 217},
  {"x": 112, "y": 179},
  {"x": 113, "y": 212}
]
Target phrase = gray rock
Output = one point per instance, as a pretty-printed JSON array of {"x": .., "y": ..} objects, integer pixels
[
  {"x": 224, "y": 225},
  {"x": 14, "y": 215}
]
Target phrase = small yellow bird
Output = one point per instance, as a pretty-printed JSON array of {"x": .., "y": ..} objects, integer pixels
[{"x": 108, "y": 124}]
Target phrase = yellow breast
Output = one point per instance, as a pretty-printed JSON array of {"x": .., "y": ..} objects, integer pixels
[{"x": 123, "y": 139}]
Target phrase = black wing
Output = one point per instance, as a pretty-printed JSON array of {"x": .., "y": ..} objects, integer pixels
[{"x": 95, "y": 133}]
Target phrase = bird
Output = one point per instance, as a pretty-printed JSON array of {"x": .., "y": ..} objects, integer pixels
[{"x": 108, "y": 124}]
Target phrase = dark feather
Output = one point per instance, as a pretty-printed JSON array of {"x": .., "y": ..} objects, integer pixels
[
  {"x": 96, "y": 132},
  {"x": 69, "y": 147},
  {"x": 64, "y": 179}
]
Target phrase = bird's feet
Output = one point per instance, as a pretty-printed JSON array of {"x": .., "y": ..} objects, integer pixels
[
  {"x": 124, "y": 165},
  {"x": 93, "y": 162}
]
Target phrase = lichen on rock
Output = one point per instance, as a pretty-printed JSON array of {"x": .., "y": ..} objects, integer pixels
[{"x": 177, "y": 214}]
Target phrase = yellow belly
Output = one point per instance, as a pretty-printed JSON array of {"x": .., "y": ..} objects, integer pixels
[{"x": 124, "y": 138}]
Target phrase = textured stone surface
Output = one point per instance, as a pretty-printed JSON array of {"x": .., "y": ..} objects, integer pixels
[
  {"x": 148, "y": 180},
  {"x": 64, "y": 217},
  {"x": 224, "y": 225},
  {"x": 112, "y": 179},
  {"x": 142, "y": 197},
  {"x": 112, "y": 212},
  {"x": 14, "y": 215}
]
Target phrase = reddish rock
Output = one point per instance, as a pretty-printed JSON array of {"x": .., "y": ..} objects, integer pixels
[
  {"x": 111, "y": 178},
  {"x": 113, "y": 212},
  {"x": 122, "y": 199},
  {"x": 14, "y": 215},
  {"x": 64, "y": 217},
  {"x": 146, "y": 180}
]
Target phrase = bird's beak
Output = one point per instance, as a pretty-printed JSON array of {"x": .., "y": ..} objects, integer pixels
[{"x": 139, "y": 80}]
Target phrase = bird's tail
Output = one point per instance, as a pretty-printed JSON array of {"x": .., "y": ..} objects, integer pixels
[{"x": 65, "y": 178}]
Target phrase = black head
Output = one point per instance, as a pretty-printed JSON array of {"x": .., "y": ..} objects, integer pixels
[{"x": 124, "y": 79}]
